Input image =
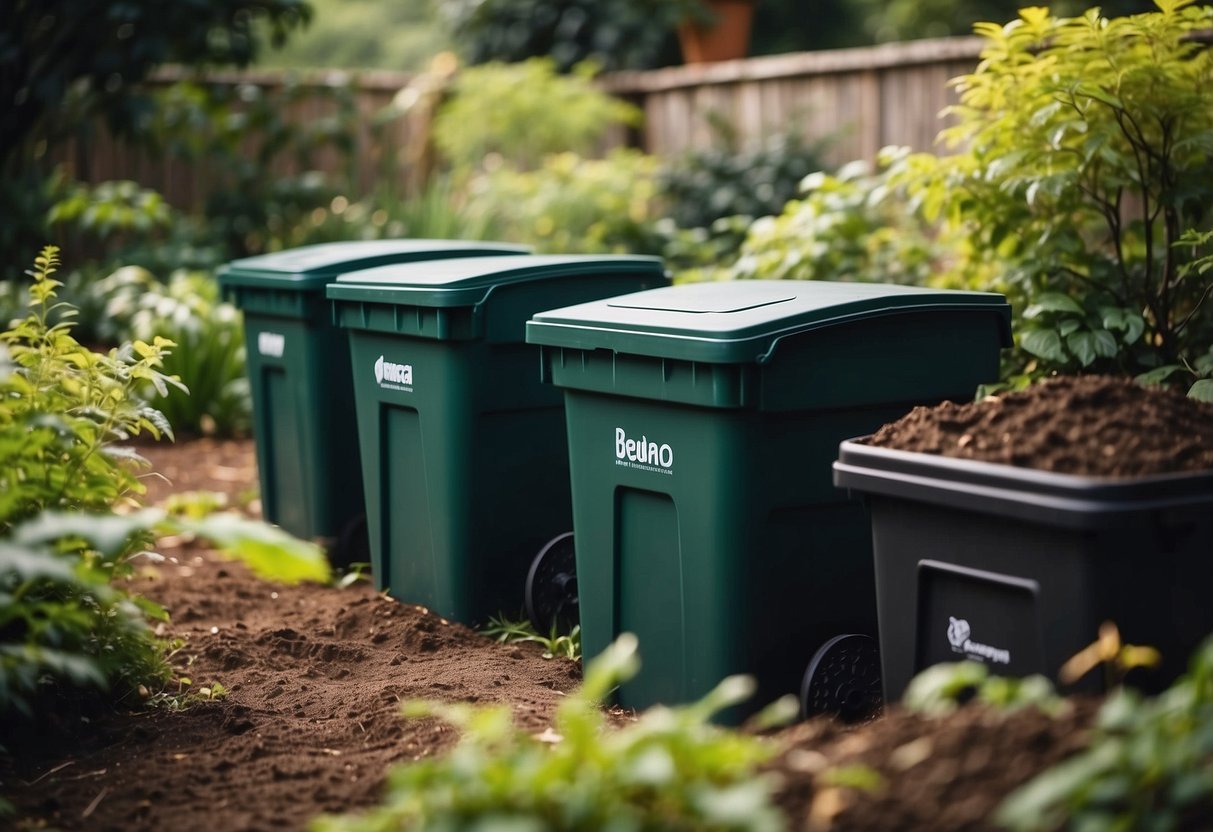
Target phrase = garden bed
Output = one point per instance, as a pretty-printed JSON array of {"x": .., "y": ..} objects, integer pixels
[{"x": 311, "y": 719}]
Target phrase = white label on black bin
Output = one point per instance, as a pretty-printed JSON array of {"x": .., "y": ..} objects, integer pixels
[
  {"x": 958, "y": 636},
  {"x": 393, "y": 376},
  {"x": 643, "y": 454},
  {"x": 272, "y": 344}
]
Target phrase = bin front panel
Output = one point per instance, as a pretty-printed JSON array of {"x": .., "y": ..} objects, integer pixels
[
  {"x": 1025, "y": 596},
  {"x": 465, "y": 470},
  {"x": 723, "y": 544},
  {"x": 303, "y": 420}
]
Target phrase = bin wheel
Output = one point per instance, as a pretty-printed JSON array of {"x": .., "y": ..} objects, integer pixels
[
  {"x": 353, "y": 544},
  {"x": 843, "y": 679},
  {"x": 551, "y": 587}
]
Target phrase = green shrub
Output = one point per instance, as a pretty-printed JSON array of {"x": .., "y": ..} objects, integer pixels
[
  {"x": 850, "y": 225},
  {"x": 669, "y": 770},
  {"x": 1084, "y": 156},
  {"x": 723, "y": 181},
  {"x": 1149, "y": 765},
  {"x": 209, "y": 357},
  {"x": 574, "y": 205},
  {"x": 64, "y": 410},
  {"x": 522, "y": 113}
]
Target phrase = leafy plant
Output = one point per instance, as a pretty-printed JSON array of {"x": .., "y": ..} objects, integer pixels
[
  {"x": 727, "y": 180},
  {"x": 849, "y": 225},
  {"x": 669, "y": 770},
  {"x": 209, "y": 358},
  {"x": 508, "y": 631},
  {"x": 520, "y": 113},
  {"x": 64, "y": 409},
  {"x": 574, "y": 205},
  {"x": 1149, "y": 765},
  {"x": 942, "y": 688},
  {"x": 63, "y": 412},
  {"x": 1084, "y": 146}
]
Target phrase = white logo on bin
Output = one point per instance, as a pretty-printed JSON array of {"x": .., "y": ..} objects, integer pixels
[
  {"x": 272, "y": 344},
  {"x": 958, "y": 636},
  {"x": 393, "y": 376},
  {"x": 643, "y": 454}
]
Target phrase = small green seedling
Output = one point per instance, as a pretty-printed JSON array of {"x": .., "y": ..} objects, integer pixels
[{"x": 510, "y": 631}]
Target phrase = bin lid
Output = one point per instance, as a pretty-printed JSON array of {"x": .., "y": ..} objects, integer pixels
[
  {"x": 311, "y": 267},
  {"x": 469, "y": 281},
  {"x": 741, "y": 321}
]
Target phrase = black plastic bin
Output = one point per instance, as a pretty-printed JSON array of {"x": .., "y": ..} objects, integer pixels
[{"x": 1017, "y": 568}]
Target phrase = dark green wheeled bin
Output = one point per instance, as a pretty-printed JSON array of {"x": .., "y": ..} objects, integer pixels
[
  {"x": 464, "y": 454},
  {"x": 298, "y": 369},
  {"x": 703, "y": 421}
]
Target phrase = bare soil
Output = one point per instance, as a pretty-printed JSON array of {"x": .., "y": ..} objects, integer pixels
[{"x": 311, "y": 722}]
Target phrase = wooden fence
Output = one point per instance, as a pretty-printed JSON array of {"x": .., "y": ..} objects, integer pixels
[{"x": 859, "y": 99}]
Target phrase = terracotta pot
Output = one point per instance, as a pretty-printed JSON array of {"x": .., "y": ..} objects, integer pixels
[{"x": 726, "y": 37}]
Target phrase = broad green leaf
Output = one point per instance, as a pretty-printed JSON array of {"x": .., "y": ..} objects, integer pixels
[
  {"x": 1053, "y": 302},
  {"x": 1202, "y": 390},
  {"x": 27, "y": 564},
  {"x": 1043, "y": 343},
  {"x": 1160, "y": 374},
  {"x": 108, "y": 533},
  {"x": 267, "y": 550}
]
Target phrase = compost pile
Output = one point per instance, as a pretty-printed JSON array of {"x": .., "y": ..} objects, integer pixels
[{"x": 1097, "y": 426}]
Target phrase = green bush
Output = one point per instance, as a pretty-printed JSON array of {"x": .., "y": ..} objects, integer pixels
[
  {"x": 64, "y": 412},
  {"x": 522, "y": 113},
  {"x": 574, "y": 205},
  {"x": 669, "y": 770},
  {"x": 723, "y": 181},
  {"x": 209, "y": 357},
  {"x": 1084, "y": 156},
  {"x": 1149, "y": 765},
  {"x": 849, "y": 225}
]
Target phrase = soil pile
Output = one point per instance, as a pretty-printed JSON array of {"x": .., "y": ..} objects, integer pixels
[{"x": 1096, "y": 426}]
